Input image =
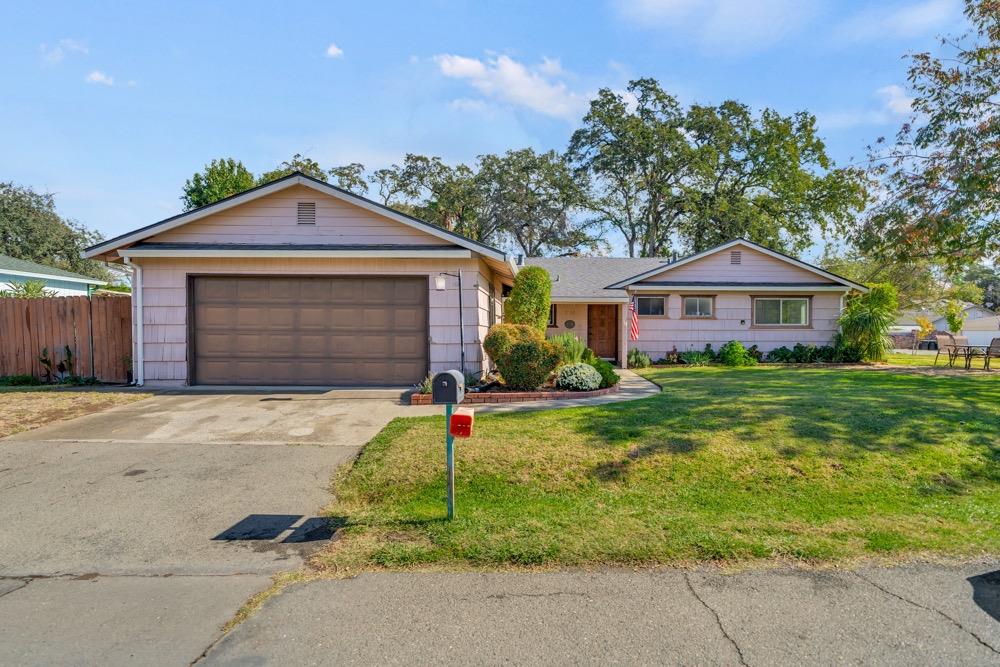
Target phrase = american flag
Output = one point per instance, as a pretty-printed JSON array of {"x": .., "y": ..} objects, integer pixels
[{"x": 633, "y": 330}]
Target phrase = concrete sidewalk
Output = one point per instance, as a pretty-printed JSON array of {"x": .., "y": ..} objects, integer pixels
[{"x": 912, "y": 615}]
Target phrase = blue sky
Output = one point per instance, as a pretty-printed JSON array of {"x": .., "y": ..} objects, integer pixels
[{"x": 111, "y": 106}]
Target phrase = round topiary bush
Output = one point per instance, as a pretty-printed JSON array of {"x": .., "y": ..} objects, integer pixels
[
  {"x": 528, "y": 364},
  {"x": 530, "y": 298},
  {"x": 578, "y": 377},
  {"x": 502, "y": 337}
]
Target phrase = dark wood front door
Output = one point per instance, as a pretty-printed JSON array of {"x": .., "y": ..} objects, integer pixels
[{"x": 602, "y": 330}]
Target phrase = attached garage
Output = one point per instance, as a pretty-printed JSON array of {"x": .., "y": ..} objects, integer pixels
[{"x": 264, "y": 330}]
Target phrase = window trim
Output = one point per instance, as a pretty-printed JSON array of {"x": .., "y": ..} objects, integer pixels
[
  {"x": 664, "y": 297},
  {"x": 711, "y": 297},
  {"x": 553, "y": 317},
  {"x": 781, "y": 297}
]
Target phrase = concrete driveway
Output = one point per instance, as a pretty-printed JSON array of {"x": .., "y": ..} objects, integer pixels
[{"x": 136, "y": 533}]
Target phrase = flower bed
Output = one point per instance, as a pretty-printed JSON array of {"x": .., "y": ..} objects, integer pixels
[{"x": 489, "y": 397}]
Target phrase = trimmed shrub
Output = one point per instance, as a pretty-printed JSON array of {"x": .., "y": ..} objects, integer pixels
[
  {"x": 530, "y": 299},
  {"x": 781, "y": 355},
  {"x": 502, "y": 337},
  {"x": 578, "y": 377},
  {"x": 803, "y": 354},
  {"x": 528, "y": 364},
  {"x": 638, "y": 359},
  {"x": 609, "y": 377},
  {"x": 734, "y": 354},
  {"x": 695, "y": 358},
  {"x": 589, "y": 357},
  {"x": 570, "y": 348}
]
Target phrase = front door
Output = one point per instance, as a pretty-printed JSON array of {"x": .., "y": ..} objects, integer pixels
[{"x": 602, "y": 330}]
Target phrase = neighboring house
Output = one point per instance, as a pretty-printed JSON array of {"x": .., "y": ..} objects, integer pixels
[
  {"x": 907, "y": 320},
  {"x": 298, "y": 282},
  {"x": 736, "y": 291},
  {"x": 63, "y": 283},
  {"x": 982, "y": 330}
]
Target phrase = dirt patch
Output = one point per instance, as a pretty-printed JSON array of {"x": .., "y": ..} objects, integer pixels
[{"x": 26, "y": 409}]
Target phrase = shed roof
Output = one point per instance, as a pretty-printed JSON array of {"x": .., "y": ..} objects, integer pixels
[{"x": 23, "y": 267}]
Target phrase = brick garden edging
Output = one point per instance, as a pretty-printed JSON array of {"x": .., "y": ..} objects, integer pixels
[{"x": 488, "y": 397}]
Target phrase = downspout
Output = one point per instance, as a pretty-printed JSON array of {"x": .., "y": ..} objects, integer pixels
[
  {"x": 137, "y": 362},
  {"x": 461, "y": 322}
]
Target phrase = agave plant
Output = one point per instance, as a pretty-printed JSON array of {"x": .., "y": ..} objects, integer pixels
[{"x": 866, "y": 320}]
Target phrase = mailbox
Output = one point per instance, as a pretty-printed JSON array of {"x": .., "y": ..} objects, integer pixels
[
  {"x": 448, "y": 387},
  {"x": 461, "y": 422}
]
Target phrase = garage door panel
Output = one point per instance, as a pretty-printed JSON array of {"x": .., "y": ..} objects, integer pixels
[{"x": 310, "y": 331}]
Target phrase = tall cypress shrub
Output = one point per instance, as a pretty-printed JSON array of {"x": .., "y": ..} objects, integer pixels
[{"x": 530, "y": 298}]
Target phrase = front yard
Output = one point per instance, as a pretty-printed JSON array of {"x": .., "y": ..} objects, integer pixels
[
  {"x": 25, "y": 408},
  {"x": 726, "y": 464}
]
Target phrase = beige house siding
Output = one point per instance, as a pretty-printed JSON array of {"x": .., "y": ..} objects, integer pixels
[
  {"x": 733, "y": 321},
  {"x": 754, "y": 266},
  {"x": 272, "y": 219},
  {"x": 577, "y": 312},
  {"x": 164, "y": 292}
]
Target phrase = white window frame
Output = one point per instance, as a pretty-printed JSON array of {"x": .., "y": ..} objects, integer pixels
[
  {"x": 781, "y": 300},
  {"x": 711, "y": 306},
  {"x": 662, "y": 298}
]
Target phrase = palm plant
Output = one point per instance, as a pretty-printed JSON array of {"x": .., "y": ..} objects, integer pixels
[{"x": 866, "y": 320}]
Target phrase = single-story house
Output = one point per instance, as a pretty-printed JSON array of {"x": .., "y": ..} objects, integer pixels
[
  {"x": 982, "y": 330},
  {"x": 298, "y": 282},
  {"x": 62, "y": 283}
]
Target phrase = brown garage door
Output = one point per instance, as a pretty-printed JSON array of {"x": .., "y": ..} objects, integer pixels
[{"x": 309, "y": 331}]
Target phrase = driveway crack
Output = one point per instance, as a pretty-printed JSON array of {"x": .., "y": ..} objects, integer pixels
[
  {"x": 940, "y": 613},
  {"x": 718, "y": 620},
  {"x": 24, "y": 582}
]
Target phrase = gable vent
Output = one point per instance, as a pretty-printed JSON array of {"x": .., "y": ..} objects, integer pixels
[
  {"x": 307, "y": 213},
  {"x": 736, "y": 257}
]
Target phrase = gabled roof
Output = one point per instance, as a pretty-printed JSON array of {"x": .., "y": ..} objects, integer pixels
[
  {"x": 725, "y": 246},
  {"x": 22, "y": 267},
  {"x": 586, "y": 278},
  {"x": 295, "y": 178}
]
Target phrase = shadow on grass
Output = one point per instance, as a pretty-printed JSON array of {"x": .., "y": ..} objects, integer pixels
[{"x": 814, "y": 408}]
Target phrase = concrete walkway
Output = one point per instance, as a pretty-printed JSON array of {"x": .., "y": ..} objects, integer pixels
[
  {"x": 913, "y": 615},
  {"x": 633, "y": 387}
]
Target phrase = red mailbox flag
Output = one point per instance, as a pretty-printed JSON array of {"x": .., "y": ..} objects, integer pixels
[{"x": 461, "y": 422}]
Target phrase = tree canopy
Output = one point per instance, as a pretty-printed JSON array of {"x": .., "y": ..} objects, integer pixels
[
  {"x": 32, "y": 230},
  {"x": 220, "y": 179},
  {"x": 664, "y": 176},
  {"x": 939, "y": 179}
]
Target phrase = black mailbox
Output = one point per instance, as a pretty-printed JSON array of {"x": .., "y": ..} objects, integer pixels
[{"x": 448, "y": 387}]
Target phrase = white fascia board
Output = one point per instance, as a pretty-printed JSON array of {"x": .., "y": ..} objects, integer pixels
[
  {"x": 238, "y": 200},
  {"x": 668, "y": 289},
  {"x": 457, "y": 253},
  {"x": 585, "y": 299},
  {"x": 49, "y": 276}
]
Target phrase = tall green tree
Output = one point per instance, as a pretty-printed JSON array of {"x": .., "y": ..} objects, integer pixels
[
  {"x": 532, "y": 198},
  {"x": 919, "y": 283},
  {"x": 32, "y": 230},
  {"x": 219, "y": 179},
  {"x": 940, "y": 176},
  {"x": 764, "y": 177},
  {"x": 299, "y": 163},
  {"x": 350, "y": 177},
  {"x": 987, "y": 278},
  {"x": 633, "y": 149}
]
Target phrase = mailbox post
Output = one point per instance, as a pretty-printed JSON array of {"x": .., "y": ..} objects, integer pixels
[{"x": 449, "y": 388}]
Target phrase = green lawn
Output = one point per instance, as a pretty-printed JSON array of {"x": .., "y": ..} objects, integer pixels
[
  {"x": 725, "y": 464},
  {"x": 919, "y": 359}
]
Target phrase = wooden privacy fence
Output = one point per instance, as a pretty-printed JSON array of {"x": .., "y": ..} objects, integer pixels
[{"x": 98, "y": 330}]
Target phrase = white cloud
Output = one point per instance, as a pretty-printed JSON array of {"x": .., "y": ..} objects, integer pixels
[
  {"x": 722, "y": 25},
  {"x": 53, "y": 55},
  {"x": 466, "y": 104},
  {"x": 895, "y": 99},
  {"x": 97, "y": 76},
  {"x": 900, "y": 20},
  {"x": 895, "y": 105},
  {"x": 334, "y": 51},
  {"x": 510, "y": 82}
]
